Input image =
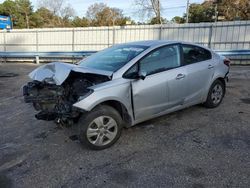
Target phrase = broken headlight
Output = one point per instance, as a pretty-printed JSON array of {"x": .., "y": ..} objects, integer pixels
[
  {"x": 88, "y": 92},
  {"x": 49, "y": 80}
]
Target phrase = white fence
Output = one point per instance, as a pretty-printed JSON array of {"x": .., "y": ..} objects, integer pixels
[{"x": 219, "y": 36}]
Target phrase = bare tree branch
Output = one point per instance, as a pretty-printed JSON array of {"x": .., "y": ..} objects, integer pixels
[{"x": 149, "y": 8}]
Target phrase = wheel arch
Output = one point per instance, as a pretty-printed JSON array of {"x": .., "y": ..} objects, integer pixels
[
  {"x": 220, "y": 78},
  {"x": 121, "y": 109}
]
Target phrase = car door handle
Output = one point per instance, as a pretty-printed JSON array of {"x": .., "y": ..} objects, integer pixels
[
  {"x": 210, "y": 66},
  {"x": 180, "y": 76}
]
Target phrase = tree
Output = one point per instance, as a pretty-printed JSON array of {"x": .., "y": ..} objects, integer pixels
[
  {"x": 234, "y": 9},
  {"x": 99, "y": 14},
  {"x": 80, "y": 22},
  {"x": 55, "y": 6},
  {"x": 201, "y": 13},
  {"x": 23, "y": 15},
  {"x": 150, "y": 7},
  {"x": 228, "y": 9},
  {"x": 68, "y": 12},
  {"x": 155, "y": 20},
  {"x": 62, "y": 11},
  {"x": 19, "y": 10},
  {"x": 94, "y": 9},
  {"x": 25, "y": 8},
  {"x": 67, "y": 15},
  {"x": 8, "y": 7},
  {"x": 45, "y": 18},
  {"x": 125, "y": 20},
  {"x": 36, "y": 21},
  {"x": 178, "y": 19}
]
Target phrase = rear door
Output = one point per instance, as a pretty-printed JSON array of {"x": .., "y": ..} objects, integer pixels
[{"x": 199, "y": 70}]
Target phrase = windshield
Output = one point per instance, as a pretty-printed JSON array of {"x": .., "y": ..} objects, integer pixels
[{"x": 112, "y": 59}]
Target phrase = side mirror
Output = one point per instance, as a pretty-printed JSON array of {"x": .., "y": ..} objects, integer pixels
[
  {"x": 142, "y": 75},
  {"x": 136, "y": 75}
]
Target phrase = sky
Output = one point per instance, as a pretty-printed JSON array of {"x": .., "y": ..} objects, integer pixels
[{"x": 171, "y": 8}]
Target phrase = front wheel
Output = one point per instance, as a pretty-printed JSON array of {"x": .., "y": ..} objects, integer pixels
[
  {"x": 215, "y": 95},
  {"x": 100, "y": 128}
]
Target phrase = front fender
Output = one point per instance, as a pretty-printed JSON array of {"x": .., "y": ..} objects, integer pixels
[{"x": 120, "y": 93}]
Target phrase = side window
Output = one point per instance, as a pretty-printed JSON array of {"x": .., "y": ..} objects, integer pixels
[
  {"x": 161, "y": 59},
  {"x": 194, "y": 54}
]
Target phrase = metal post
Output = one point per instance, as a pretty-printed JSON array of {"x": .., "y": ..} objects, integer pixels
[
  {"x": 210, "y": 35},
  {"x": 113, "y": 23},
  {"x": 160, "y": 32},
  {"x": 73, "y": 40},
  {"x": 4, "y": 40},
  {"x": 4, "y": 45},
  {"x": 113, "y": 35},
  {"x": 37, "y": 59},
  {"x": 108, "y": 36},
  {"x": 36, "y": 40}
]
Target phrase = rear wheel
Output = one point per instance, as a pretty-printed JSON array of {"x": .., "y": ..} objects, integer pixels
[
  {"x": 215, "y": 95},
  {"x": 100, "y": 128}
]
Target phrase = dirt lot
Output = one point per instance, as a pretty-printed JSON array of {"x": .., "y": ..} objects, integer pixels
[{"x": 195, "y": 147}]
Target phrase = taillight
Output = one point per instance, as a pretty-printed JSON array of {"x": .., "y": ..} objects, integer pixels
[{"x": 227, "y": 62}]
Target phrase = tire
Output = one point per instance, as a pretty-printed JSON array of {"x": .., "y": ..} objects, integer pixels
[
  {"x": 215, "y": 95},
  {"x": 100, "y": 128}
]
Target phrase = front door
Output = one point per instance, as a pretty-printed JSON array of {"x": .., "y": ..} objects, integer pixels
[{"x": 163, "y": 86}]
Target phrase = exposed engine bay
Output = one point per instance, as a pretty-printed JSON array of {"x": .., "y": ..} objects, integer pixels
[{"x": 54, "y": 102}]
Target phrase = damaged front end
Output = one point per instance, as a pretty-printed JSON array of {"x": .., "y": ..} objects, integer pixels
[
  {"x": 56, "y": 87},
  {"x": 52, "y": 101}
]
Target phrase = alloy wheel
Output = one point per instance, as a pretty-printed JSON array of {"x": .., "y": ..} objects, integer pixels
[
  {"x": 217, "y": 94},
  {"x": 102, "y": 130}
]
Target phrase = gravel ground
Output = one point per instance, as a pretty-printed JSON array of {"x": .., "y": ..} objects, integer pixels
[{"x": 195, "y": 147}]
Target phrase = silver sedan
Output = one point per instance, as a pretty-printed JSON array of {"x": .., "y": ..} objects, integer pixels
[{"x": 127, "y": 84}]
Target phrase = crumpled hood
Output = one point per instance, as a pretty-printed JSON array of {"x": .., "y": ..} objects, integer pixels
[{"x": 60, "y": 71}]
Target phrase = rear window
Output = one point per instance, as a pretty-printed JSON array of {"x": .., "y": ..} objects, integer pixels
[{"x": 194, "y": 54}]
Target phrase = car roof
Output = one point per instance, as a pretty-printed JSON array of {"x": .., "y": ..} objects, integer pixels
[
  {"x": 151, "y": 43},
  {"x": 154, "y": 43}
]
